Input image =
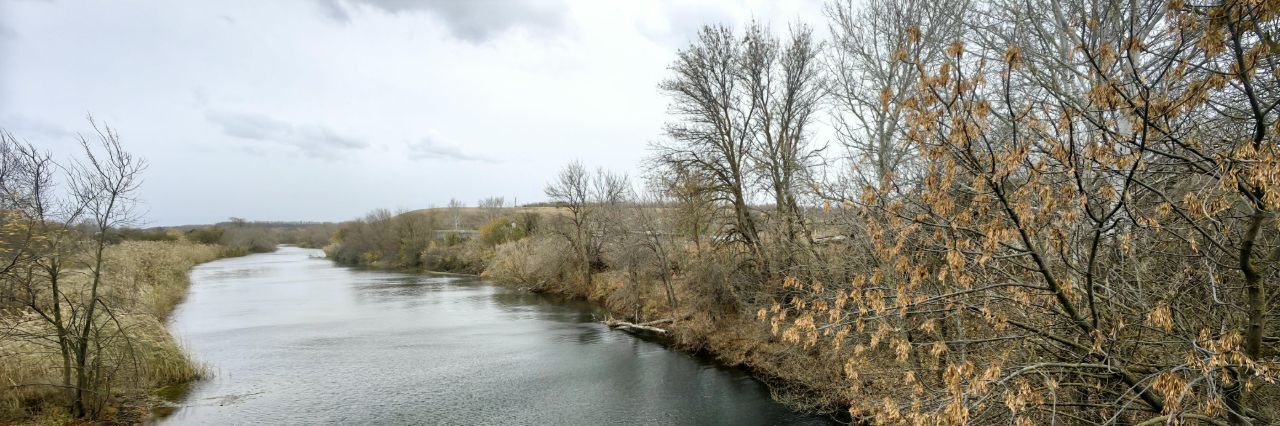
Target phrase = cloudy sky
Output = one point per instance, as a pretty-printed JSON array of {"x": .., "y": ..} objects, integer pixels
[{"x": 325, "y": 109}]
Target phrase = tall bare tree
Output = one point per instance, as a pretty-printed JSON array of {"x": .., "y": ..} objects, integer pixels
[
  {"x": 714, "y": 125},
  {"x": 106, "y": 184},
  {"x": 784, "y": 84}
]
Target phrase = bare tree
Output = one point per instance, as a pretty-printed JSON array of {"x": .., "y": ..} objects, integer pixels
[
  {"x": 654, "y": 233},
  {"x": 875, "y": 50},
  {"x": 590, "y": 200},
  {"x": 693, "y": 203},
  {"x": 492, "y": 207},
  {"x": 40, "y": 238},
  {"x": 571, "y": 190},
  {"x": 785, "y": 85},
  {"x": 714, "y": 128},
  {"x": 455, "y": 212},
  {"x": 43, "y": 242},
  {"x": 105, "y": 183}
]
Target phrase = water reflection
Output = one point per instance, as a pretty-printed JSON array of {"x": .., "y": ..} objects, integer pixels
[{"x": 297, "y": 340}]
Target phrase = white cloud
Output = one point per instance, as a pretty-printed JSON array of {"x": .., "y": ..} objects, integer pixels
[
  {"x": 472, "y": 20},
  {"x": 311, "y": 139},
  {"x": 435, "y": 147}
]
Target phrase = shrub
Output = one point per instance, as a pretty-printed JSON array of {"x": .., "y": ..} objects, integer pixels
[
  {"x": 210, "y": 235},
  {"x": 538, "y": 262},
  {"x": 502, "y": 230}
]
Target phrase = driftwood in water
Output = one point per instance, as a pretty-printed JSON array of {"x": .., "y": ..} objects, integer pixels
[{"x": 645, "y": 326}]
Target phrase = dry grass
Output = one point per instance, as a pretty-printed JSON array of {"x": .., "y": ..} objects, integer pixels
[
  {"x": 151, "y": 276},
  {"x": 537, "y": 263},
  {"x": 806, "y": 380},
  {"x": 143, "y": 282}
]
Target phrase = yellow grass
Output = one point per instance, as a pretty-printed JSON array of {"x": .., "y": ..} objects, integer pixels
[{"x": 143, "y": 281}]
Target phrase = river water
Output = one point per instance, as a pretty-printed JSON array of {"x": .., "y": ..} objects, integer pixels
[{"x": 291, "y": 338}]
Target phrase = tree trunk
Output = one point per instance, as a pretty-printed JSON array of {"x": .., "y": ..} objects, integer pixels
[
  {"x": 82, "y": 343},
  {"x": 645, "y": 326},
  {"x": 1255, "y": 301}
]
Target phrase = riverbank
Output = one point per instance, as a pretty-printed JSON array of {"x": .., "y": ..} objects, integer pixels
[
  {"x": 367, "y": 346},
  {"x": 630, "y": 261},
  {"x": 703, "y": 321},
  {"x": 803, "y": 381},
  {"x": 143, "y": 282}
]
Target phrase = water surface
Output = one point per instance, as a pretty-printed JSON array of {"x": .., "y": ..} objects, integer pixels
[{"x": 291, "y": 338}]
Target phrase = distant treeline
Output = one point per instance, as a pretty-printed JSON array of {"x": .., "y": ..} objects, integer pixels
[
  {"x": 458, "y": 239},
  {"x": 239, "y": 234}
]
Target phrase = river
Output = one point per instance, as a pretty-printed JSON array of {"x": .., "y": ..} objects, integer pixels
[{"x": 292, "y": 338}]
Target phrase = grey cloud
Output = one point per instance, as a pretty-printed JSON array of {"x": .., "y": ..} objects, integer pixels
[
  {"x": 27, "y": 128},
  {"x": 312, "y": 139},
  {"x": 435, "y": 147},
  {"x": 334, "y": 10},
  {"x": 474, "y": 21}
]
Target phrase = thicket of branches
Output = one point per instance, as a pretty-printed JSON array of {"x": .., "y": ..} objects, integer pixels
[
  {"x": 1031, "y": 212},
  {"x": 1063, "y": 212}
]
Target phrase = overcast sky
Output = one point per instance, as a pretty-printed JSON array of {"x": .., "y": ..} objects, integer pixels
[{"x": 325, "y": 109}]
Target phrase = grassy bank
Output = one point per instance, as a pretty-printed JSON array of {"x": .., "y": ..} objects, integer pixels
[
  {"x": 713, "y": 311},
  {"x": 143, "y": 281},
  {"x": 703, "y": 320}
]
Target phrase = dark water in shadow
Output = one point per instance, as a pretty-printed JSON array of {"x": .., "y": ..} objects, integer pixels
[{"x": 293, "y": 339}]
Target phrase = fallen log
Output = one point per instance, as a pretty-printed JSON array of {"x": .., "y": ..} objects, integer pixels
[
  {"x": 656, "y": 322},
  {"x": 645, "y": 326}
]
